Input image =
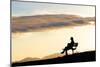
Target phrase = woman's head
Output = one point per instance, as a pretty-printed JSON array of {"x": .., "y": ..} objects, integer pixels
[{"x": 71, "y": 38}]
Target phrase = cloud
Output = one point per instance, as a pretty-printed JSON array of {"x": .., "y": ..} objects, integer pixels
[{"x": 27, "y": 23}]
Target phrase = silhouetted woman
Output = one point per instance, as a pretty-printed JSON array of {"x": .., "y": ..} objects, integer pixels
[
  {"x": 70, "y": 46},
  {"x": 71, "y": 43}
]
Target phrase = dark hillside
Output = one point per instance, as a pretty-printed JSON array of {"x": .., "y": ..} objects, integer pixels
[{"x": 78, "y": 57}]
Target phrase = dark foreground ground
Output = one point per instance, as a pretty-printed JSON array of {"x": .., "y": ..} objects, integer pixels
[{"x": 79, "y": 57}]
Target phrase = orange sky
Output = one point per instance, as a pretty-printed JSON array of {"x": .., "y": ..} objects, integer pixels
[{"x": 43, "y": 43}]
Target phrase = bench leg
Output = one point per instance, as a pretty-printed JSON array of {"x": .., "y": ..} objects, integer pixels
[
  {"x": 66, "y": 53},
  {"x": 72, "y": 51}
]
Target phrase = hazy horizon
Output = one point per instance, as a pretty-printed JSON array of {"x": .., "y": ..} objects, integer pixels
[{"x": 43, "y": 43}]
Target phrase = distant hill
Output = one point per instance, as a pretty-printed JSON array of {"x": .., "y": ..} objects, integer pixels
[
  {"x": 55, "y": 55},
  {"x": 26, "y": 23},
  {"x": 28, "y": 59},
  {"x": 77, "y": 57}
]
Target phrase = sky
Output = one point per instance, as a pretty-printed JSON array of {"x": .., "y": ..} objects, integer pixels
[
  {"x": 43, "y": 43},
  {"x": 35, "y": 8}
]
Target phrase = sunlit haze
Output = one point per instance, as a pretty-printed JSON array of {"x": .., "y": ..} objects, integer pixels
[{"x": 40, "y": 44}]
